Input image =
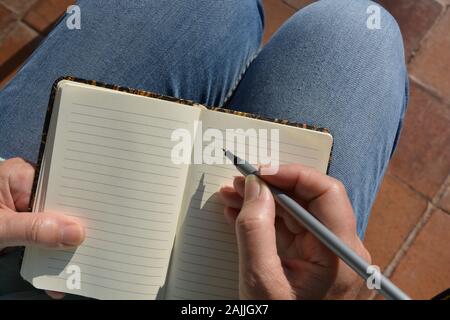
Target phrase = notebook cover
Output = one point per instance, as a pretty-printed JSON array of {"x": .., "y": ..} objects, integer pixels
[{"x": 145, "y": 94}]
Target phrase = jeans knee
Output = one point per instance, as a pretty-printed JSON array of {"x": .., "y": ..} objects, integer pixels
[{"x": 361, "y": 23}]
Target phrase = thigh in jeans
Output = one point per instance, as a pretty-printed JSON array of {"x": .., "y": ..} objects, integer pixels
[
  {"x": 192, "y": 49},
  {"x": 324, "y": 67}
]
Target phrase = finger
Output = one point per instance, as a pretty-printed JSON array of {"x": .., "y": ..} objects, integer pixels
[
  {"x": 16, "y": 180},
  {"x": 55, "y": 294},
  {"x": 325, "y": 196},
  {"x": 255, "y": 224},
  {"x": 291, "y": 223},
  {"x": 42, "y": 229},
  {"x": 239, "y": 185},
  {"x": 305, "y": 182},
  {"x": 21, "y": 183},
  {"x": 230, "y": 197},
  {"x": 284, "y": 237},
  {"x": 231, "y": 215},
  {"x": 256, "y": 237}
]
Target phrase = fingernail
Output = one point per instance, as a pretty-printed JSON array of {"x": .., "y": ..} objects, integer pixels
[
  {"x": 72, "y": 235},
  {"x": 252, "y": 188}
]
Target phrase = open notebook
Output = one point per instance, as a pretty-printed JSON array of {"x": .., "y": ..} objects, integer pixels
[{"x": 154, "y": 229}]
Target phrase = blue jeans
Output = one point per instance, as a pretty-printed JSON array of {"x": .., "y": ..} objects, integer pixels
[{"x": 323, "y": 67}]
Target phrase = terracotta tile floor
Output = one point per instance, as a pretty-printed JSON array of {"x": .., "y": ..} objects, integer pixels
[{"x": 409, "y": 230}]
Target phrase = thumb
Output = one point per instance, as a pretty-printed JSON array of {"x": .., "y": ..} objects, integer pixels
[
  {"x": 255, "y": 228},
  {"x": 41, "y": 229}
]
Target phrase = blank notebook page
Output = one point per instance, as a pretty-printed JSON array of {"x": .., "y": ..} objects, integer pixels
[
  {"x": 205, "y": 260},
  {"x": 112, "y": 168}
]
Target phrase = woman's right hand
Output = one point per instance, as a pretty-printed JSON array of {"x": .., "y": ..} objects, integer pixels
[{"x": 278, "y": 257}]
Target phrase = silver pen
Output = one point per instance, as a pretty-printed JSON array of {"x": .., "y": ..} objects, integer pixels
[{"x": 321, "y": 232}]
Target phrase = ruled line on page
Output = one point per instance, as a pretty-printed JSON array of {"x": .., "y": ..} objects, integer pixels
[
  {"x": 115, "y": 195},
  {"x": 208, "y": 200},
  {"x": 218, "y": 175},
  {"x": 115, "y": 204},
  {"x": 116, "y": 224},
  {"x": 146, "y": 294},
  {"x": 209, "y": 182},
  {"x": 152, "y": 126},
  {"x": 226, "y": 240},
  {"x": 122, "y": 120},
  {"x": 223, "y": 240},
  {"x": 206, "y": 284},
  {"x": 209, "y": 257},
  {"x": 114, "y": 289},
  {"x": 126, "y": 244},
  {"x": 104, "y": 268},
  {"x": 121, "y": 168},
  {"x": 112, "y": 279},
  {"x": 203, "y": 237},
  {"x": 209, "y": 192},
  {"x": 203, "y": 218},
  {"x": 208, "y": 229},
  {"x": 216, "y": 252},
  {"x": 210, "y": 248},
  {"x": 78, "y": 123},
  {"x": 208, "y": 266},
  {"x": 97, "y": 211},
  {"x": 120, "y": 177},
  {"x": 125, "y": 253},
  {"x": 208, "y": 209},
  {"x": 129, "y": 112},
  {"x": 280, "y": 142},
  {"x": 119, "y": 139},
  {"x": 152, "y": 266},
  {"x": 120, "y": 158},
  {"x": 208, "y": 205},
  {"x": 117, "y": 148},
  {"x": 119, "y": 186},
  {"x": 235, "y": 280},
  {"x": 128, "y": 235},
  {"x": 216, "y": 217}
]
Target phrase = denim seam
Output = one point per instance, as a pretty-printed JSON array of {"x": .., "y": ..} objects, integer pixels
[{"x": 241, "y": 75}]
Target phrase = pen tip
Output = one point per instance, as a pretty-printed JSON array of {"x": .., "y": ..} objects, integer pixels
[{"x": 229, "y": 155}]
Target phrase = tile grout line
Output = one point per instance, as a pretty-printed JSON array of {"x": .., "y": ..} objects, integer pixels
[
  {"x": 31, "y": 27},
  {"x": 405, "y": 246},
  {"x": 413, "y": 54},
  {"x": 428, "y": 33},
  {"x": 290, "y": 5},
  {"x": 20, "y": 16},
  {"x": 407, "y": 185},
  {"x": 444, "y": 4},
  {"x": 420, "y": 194},
  {"x": 430, "y": 90},
  {"x": 431, "y": 207},
  {"x": 7, "y": 6},
  {"x": 426, "y": 87}
]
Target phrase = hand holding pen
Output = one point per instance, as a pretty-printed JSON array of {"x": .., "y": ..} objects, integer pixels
[{"x": 279, "y": 257}]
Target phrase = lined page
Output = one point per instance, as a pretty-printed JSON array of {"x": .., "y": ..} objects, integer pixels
[
  {"x": 111, "y": 167},
  {"x": 205, "y": 260}
]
